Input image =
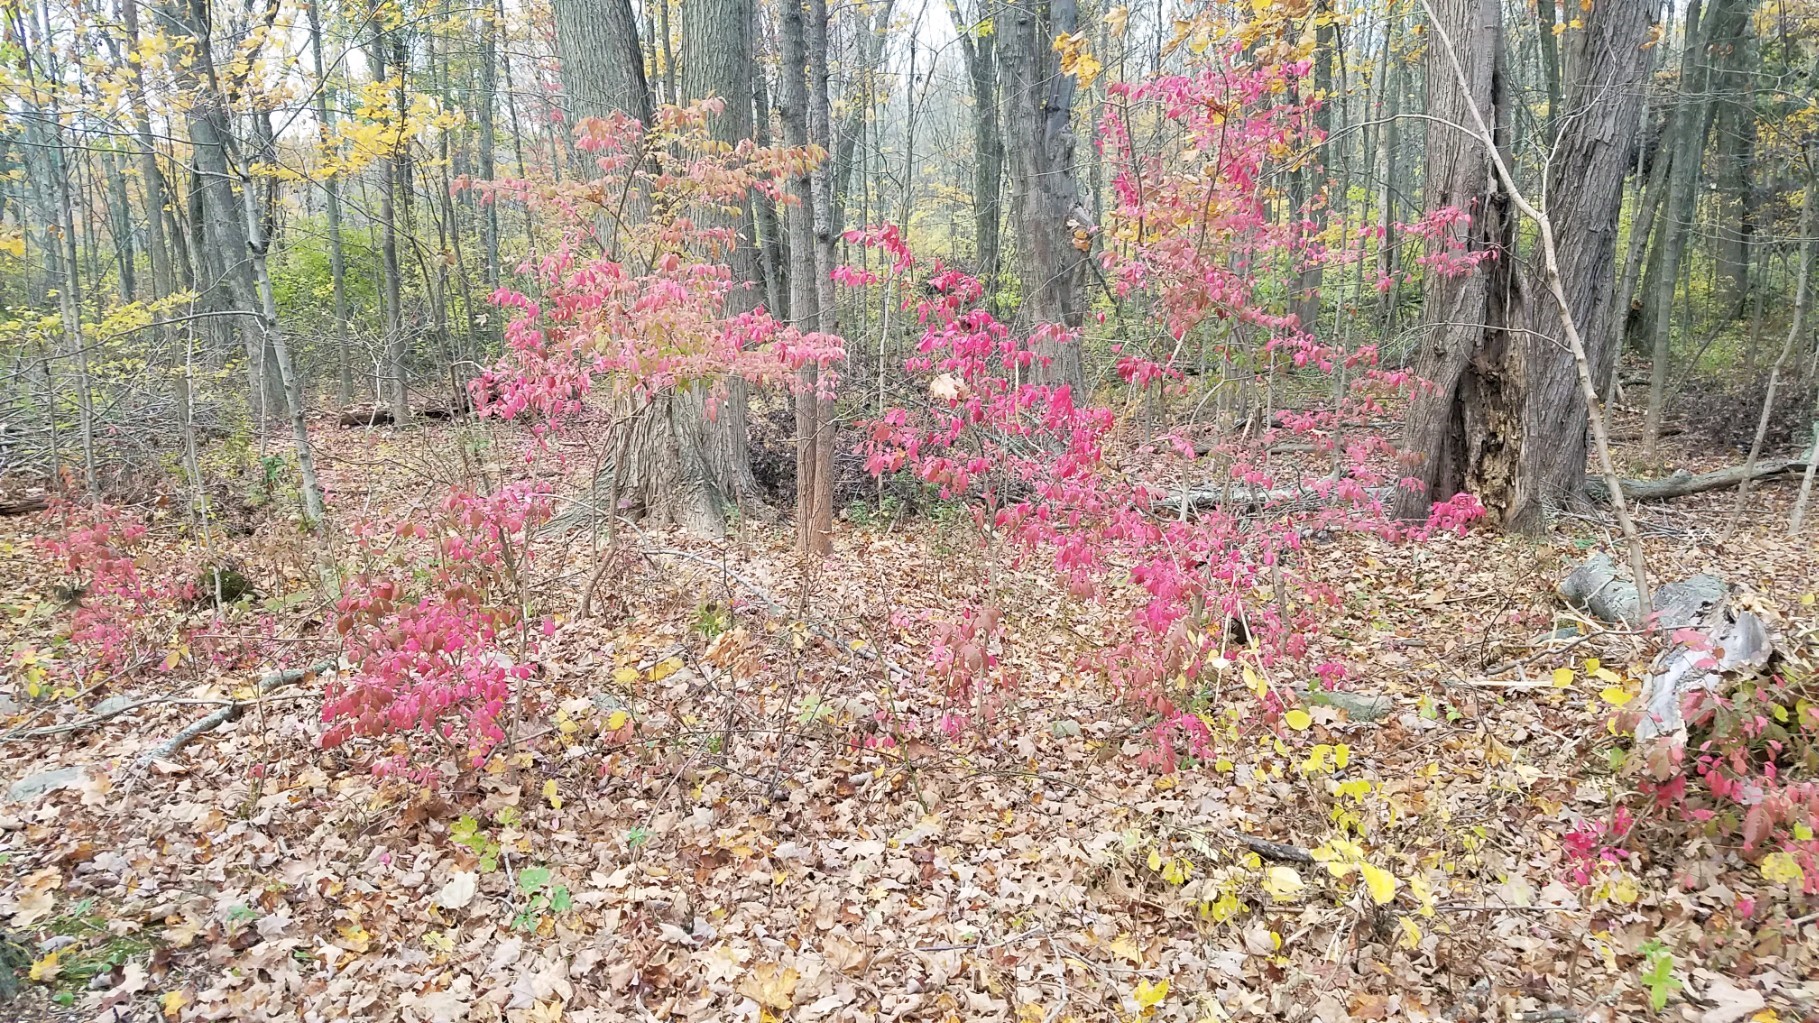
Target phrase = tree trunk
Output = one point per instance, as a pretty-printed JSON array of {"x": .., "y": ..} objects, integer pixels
[
  {"x": 337, "y": 257},
  {"x": 805, "y": 294},
  {"x": 717, "y": 61},
  {"x": 1051, "y": 222},
  {"x": 602, "y": 64},
  {"x": 1734, "y": 90},
  {"x": 979, "y": 49},
  {"x": 1690, "y": 127},
  {"x": 488, "y": 141},
  {"x": 1464, "y": 428},
  {"x": 391, "y": 369},
  {"x": 1605, "y": 67}
]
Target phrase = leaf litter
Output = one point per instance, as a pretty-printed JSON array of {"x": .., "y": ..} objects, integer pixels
[{"x": 707, "y": 808}]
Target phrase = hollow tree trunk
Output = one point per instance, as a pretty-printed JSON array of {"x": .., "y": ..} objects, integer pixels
[{"x": 1463, "y": 430}]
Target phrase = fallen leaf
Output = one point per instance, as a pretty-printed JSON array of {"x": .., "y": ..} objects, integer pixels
[
  {"x": 459, "y": 891},
  {"x": 771, "y": 985}
]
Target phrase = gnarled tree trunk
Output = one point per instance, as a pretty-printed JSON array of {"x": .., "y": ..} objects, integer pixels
[
  {"x": 1604, "y": 68},
  {"x": 1464, "y": 429}
]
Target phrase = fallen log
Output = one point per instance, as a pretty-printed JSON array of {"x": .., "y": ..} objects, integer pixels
[
  {"x": 273, "y": 681},
  {"x": 1683, "y": 484},
  {"x": 365, "y": 415},
  {"x": 24, "y": 507}
]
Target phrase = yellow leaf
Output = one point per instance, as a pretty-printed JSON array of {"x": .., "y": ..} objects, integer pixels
[
  {"x": 1115, "y": 20},
  {"x": 1766, "y": 1016},
  {"x": 354, "y": 937},
  {"x": 665, "y": 668},
  {"x": 1592, "y": 664},
  {"x": 1808, "y": 599},
  {"x": 1616, "y": 696},
  {"x": 1298, "y": 719},
  {"x": 549, "y": 793},
  {"x": 45, "y": 970},
  {"x": 173, "y": 1003},
  {"x": 617, "y": 720},
  {"x": 1379, "y": 882},
  {"x": 771, "y": 985},
  {"x": 1125, "y": 946},
  {"x": 1342, "y": 755},
  {"x": 1150, "y": 995},
  {"x": 1780, "y": 868},
  {"x": 1411, "y": 935},
  {"x": 625, "y": 676},
  {"x": 1283, "y": 883},
  {"x": 1563, "y": 677}
]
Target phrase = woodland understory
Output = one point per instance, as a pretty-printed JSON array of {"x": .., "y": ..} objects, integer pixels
[
  {"x": 691, "y": 771},
  {"x": 1023, "y": 510}
]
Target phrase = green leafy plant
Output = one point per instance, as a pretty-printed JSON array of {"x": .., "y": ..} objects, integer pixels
[
  {"x": 468, "y": 832},
  {"x": 542, "y": 896},
  {"x": 1658, "y": 973}
]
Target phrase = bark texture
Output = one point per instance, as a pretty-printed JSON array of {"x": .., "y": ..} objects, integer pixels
[
  {"x": 1604, "y": 66},
  {"x": 1463, "y": 429},
  {"x": 1045, "y": 193}
]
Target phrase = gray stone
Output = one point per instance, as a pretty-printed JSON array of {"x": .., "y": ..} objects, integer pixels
[
  {"x": 113, "y": 705},
  {"x": 38, "y": 785},
  {"x": 1685, "y": 603}
]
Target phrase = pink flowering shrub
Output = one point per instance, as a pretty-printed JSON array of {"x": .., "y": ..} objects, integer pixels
[
  {"x": 1747, "y": 773},
  {"x": 639, "y": 304},
  {"x": 132, "y": 607}
]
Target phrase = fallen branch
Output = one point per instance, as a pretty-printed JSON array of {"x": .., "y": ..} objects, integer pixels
[
  {"x": 1684, "y": 484},
  {"x": 275, "y": 680}
]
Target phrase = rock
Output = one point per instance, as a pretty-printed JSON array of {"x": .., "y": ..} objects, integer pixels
[
  {"x": 45, "y": 782},
  {"x": 1683, "y": 603},
  {"x": 113, "y": 705}
]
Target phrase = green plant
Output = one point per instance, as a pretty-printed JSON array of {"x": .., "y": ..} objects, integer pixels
[
  {"x": 468, "y": 832},
  {"x": 1658, "y": 973},
  {"x": 543, "y": 896},
  {"x": 711, "y": 619}
]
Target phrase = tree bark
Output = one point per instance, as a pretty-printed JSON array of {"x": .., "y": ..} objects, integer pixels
[
  {"x": 1045, "y": 195},
  {"x": 1605, "y": 66},
  {"x": 1463, "y": 427},
  {"x": 1691, "y": 125},
  {"x": 331, "y": 187},
  {"x": 391, "y": 369},
  {"x": 717, "y": 61},
  {"x": 602, "y": 63},
  {"x": 979, "y": 49}
]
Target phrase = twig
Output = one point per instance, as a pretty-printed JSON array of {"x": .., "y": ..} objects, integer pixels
[{"x": 275, "y": 680}]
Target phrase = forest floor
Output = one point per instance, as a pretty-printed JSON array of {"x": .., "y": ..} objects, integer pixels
[{"x": 691, "y": 826}]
